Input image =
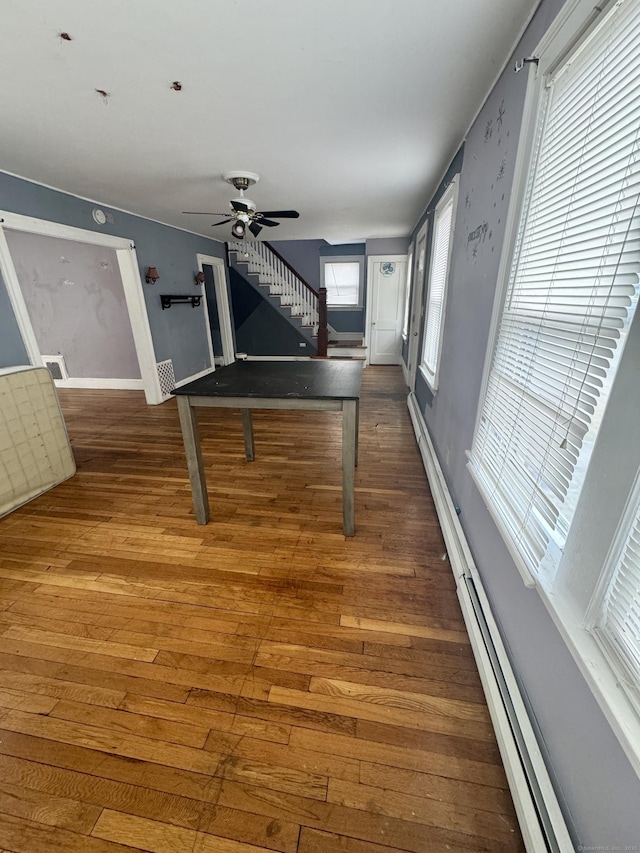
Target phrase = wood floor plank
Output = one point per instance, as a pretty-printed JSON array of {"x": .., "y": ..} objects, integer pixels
[
  {"x": 46, "y": 808},
  {"x": 259, "y": 683},
  {"x": 419, "y": 760},
  {"x": 315, "y": 841},
  {"x": 380, "y": 626},
  {"x": 401, "y": 699},
  {"x": 358, "y": 709},
  {"x": 424, "y": 810}
]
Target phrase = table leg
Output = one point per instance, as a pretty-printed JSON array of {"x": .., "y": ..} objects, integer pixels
[
  {"x": 357, "y": 429},
  {"x": 349, "y": 446},
  {"x": 247, "y": 429},
  {"x": 193, "y": 452}
]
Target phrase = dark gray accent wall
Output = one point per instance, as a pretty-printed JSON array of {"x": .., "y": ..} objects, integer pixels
[
  {"x": 259, "y": 328},
  {"x": 178, "y": 333},
  {"x": 597, "y": 786}
]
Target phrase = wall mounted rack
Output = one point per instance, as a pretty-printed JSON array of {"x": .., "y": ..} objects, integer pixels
[{"x": 169, "y": 299}]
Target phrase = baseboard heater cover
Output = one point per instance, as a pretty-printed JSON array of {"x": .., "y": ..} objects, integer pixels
[{"x": 542, "y": 823}]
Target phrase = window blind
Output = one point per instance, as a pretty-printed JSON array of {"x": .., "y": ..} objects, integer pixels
[
  {"x": 572, "y": 289},
  {"x": 342, "y": 280},
  {"x": 618, "y": 624},
  {"x": 440, "y": 254}
]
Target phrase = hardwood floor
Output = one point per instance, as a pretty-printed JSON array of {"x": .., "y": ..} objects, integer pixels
[{"x": 258, "y": 684}]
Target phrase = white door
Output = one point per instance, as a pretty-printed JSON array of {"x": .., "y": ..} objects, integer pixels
[
  {"x": 387, "y": 282},
  {"x": 417, "y": 308}
]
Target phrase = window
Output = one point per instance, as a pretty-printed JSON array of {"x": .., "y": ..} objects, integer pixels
[
  {"x": 437, "y": 287},
  {"x": 571, "y": 294},
  {"x": 616, "y": 606},
  {"x": 407, "y": 296},
  {"x": 343, "y": 278},
  {"x": 564, "y": 330}
]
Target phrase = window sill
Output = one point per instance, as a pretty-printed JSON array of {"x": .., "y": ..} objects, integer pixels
[{"x": 429, "y": 378}]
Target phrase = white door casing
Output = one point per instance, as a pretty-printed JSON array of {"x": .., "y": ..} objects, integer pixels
[
  {"x": 224, "y": 309},
  {"x": 387, "y": 275},
  {"x": 131, "y": 283},
  {"x": 417, "y": 308}
]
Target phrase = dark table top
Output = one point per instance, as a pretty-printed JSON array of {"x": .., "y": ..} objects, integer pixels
[{"x": 319, "y": 379}]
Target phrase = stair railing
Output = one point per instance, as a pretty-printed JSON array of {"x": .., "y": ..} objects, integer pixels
[{"x": 304, "y": 300}]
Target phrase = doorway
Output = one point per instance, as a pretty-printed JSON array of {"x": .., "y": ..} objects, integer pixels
[
  {"x": 127, "y": 264},
  {"x": 386, "y": 275},
  {"x": 217, "y": 309}
]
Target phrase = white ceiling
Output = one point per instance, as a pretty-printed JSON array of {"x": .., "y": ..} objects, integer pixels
[{"x": 349, "y": 110}]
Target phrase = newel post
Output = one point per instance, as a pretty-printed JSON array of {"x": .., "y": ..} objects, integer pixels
[{"x": 323, "y": 332}]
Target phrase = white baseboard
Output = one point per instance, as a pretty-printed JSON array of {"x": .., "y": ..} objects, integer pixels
[
  {"x": 541, "y": 820},
  {"x": 105, "y": 384}
]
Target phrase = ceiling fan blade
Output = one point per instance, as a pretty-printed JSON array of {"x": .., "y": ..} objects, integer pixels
[
  {"x": 269, "y": 223},
  {"x": 255, "y": 228},
  {"x": 223, "y": 222},
  {"x": 204, "y": 213},
  {"x": 281, "y": 214},
  {"x": 238, "y": 205}
]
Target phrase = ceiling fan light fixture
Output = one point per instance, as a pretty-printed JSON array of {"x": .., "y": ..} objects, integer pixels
[{"x": 237, "y": 229}]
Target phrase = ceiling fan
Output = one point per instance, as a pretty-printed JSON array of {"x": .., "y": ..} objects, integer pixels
[{"x": 243, "y": 210}]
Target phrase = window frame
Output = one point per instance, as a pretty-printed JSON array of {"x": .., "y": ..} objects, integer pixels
[
  {"x": 569, "y": 597},
  {"x": 406, "y": 315},
  {"x": 344, "y": 259},
  {"x": 449, "y": 197}
]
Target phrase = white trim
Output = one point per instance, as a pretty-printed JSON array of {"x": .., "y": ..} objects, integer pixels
[
  {"x": 344, "y": 259},
  {"x": 112, "y": 384},
  {"x": 597, "y": 671},
  {"x": 450, "y": 193},
  {"x": 371, "y": 260},
  {"x": 417, "y": 305},
  {"x": 131, "y": 283},
  {"x": 224, "y": 309},
  {"x": 463, "y": 566}
]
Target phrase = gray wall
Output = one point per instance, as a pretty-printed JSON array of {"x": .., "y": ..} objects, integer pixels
[
  {"x": 304, "y": 257},
  {"x": 598, "y": 788},
  {"x": 12, "y": 349},
  {"x": 75, "y": 299},
  {"x": 178, "y": 333}
]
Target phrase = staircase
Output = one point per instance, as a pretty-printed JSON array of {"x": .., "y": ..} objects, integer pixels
[{"x": 263, "y": 267}]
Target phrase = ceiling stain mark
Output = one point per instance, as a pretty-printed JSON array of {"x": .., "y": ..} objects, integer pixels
[
  {"x": 176, "y": 86},
  {"x": 65, "y": 37}
]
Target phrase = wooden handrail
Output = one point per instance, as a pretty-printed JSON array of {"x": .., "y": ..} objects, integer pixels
[
  {"x": 323, "y": 331},
  {"x": 271, "y": 248}
]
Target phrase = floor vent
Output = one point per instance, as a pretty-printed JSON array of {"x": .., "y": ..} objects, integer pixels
[
  {"x": 56, "y": 366},
  {"x": 167, "y": 378}
]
